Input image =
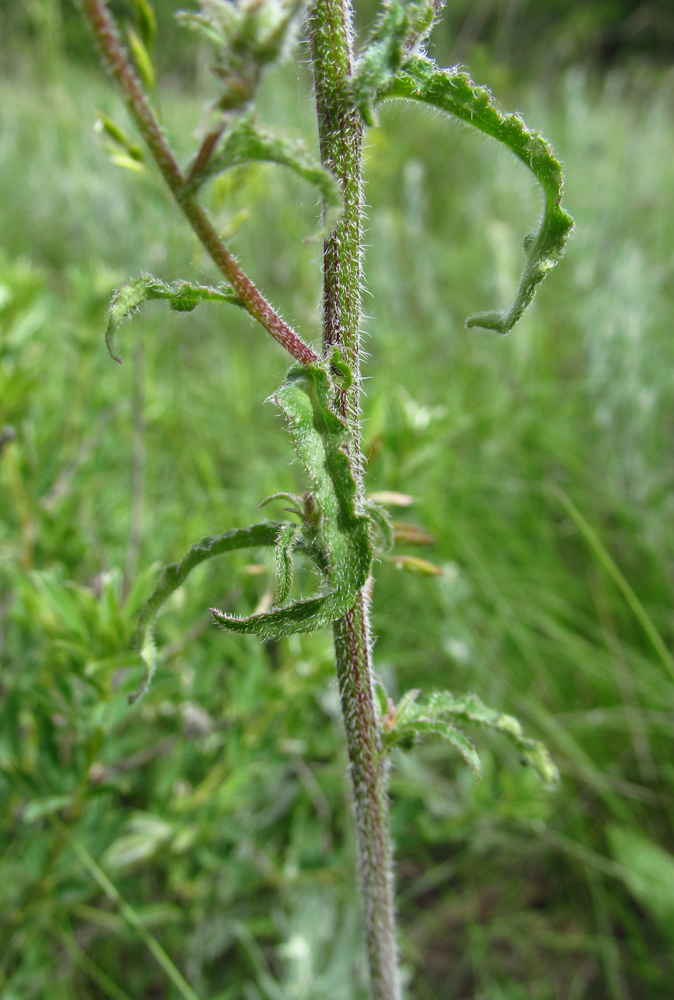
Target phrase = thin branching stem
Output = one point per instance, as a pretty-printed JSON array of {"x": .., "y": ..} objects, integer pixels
[
  {"x": 122, "y": 71},
  {"x": 340, "y": 139}
]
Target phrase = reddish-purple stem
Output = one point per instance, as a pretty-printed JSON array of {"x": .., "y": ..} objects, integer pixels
[{"x": 117, "y": 61}]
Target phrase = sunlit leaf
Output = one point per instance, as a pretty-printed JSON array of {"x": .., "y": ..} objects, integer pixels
[{"x": 147, "y": 21}]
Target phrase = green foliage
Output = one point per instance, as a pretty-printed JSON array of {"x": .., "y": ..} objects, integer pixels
[
  {"x": 420, "y": 79},
  {"x": 245, "y": 142},
  {"x": 246, "y": 37},
  {"x": 338, "y": 533},
  {"x": 181, "y": 297},
  {"x": 648, "y": 872},
  {"x": 402, "y": 25},
  {"x": 411, "y": 719},
  {"x": 529, "y": 888},
  {"x": 175, "y": 574}
]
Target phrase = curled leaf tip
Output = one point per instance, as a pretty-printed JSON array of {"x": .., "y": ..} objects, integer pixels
[
  {"x": 449, "y": 90},
  {"x": 182, "y": 296}
]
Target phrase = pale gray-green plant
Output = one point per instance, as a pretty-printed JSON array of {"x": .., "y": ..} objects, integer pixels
[{"x": 334, "y": 525}]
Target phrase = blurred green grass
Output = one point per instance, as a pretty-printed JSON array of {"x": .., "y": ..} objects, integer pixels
[{"x": 219, "y": 806}]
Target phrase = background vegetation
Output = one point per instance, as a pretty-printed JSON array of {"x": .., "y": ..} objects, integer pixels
[{"x": 218, "y": 807}]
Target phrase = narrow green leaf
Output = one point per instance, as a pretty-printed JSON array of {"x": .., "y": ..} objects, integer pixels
[
  {"x": 472, "y": 709},
  {"x": 245, "y": 142},
  {"x": 147, "y": 21},
  {"x": 143, "y": 61},
  {"x": 113, "y": 131},
  {"x": 285, "y": 544},
  {"x": 175, "y": 574},
  {"x": 294, "y": 498},
  {"x": 127, "y": 162},
  {"x": 134, "y": 921},
  {"x": 181, "y": 297},
  {"x": 455, "y": 93},
  {"x": 413, "y": 564},
  {"x": 342, "y": 532},
  {"x": 609, "y": 564}
]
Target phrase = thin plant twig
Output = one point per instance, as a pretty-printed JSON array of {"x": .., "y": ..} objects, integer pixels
[{"x": 119, "y": 66}]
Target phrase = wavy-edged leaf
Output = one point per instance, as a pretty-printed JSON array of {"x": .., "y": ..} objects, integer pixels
[
  {"x": 285, "y": 544},
  {"x": 180, "y": 295},
  {"x": 320, "y": 437},
  {"x": 400, "y": 23},
  {"x": 472, "y": 709},
  {"x": 245, "y": 142},
  {"x": 442, "y": 709},
  {"x": 174, "y": 575},
  {"x": 455, "y": 93}
]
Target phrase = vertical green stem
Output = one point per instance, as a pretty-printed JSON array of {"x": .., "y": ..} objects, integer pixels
[{"x": 340, "y": 138}]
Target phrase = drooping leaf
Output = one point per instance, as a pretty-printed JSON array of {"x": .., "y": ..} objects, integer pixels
[
  {"x": 470, "y": 708},
  {"x": 174, "y": 575},
  {"x": 436, "y": 716},
  {"x": 420, "y": 79},
  {"x": 181, "y": 297},
  {"x": 320, "y": 437},
  {"x": 245, "y": 142}
]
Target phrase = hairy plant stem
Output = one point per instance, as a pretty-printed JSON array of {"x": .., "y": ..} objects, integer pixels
[
  {"x": 340, "y": 139},
  {"x": 118, "y": 63}
]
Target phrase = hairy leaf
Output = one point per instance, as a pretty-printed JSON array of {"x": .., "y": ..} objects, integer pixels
[
  {"x": 285, "y": 544},
  {"x": 244, "y": 143},
  {"x": 401, "y": 24},
  {"x": 380, "y": 517},
  {"x": 175, "y": 574},
  {"x": 181, "y": 296},
  {"x": 320, "y": 437},
  {"x": 454, "y": 92},
  {"x": 441, "y": 709}
]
